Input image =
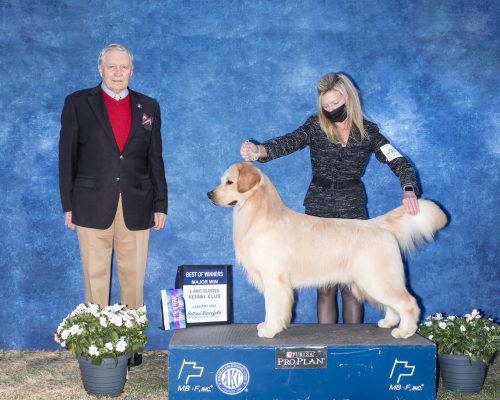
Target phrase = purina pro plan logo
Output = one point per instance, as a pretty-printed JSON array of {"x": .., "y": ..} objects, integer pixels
[
  {"x": 300, "y": 357},
  {"x": 232, "y": 378}
]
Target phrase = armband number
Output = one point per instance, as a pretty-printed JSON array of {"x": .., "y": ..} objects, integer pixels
[{"x": 390, "y": 152}]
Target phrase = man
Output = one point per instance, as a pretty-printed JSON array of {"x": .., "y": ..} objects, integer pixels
[{"x": 112, "y": 178}]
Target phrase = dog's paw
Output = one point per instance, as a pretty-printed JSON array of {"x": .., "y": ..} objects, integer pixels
[
  {"x": 267, "y": 333},
  {"x": 260, "y": 326},
  {"x": 399, "y": 333},
  {"x": 384, "y": 323}
]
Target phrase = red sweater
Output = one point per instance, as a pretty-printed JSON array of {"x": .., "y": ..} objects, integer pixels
[{"x": 120, "y": 116}]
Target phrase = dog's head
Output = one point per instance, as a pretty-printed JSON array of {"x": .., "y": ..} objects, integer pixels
[{"x": 237, "y": 184}]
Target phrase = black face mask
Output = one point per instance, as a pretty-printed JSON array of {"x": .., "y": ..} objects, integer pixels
[{"x": 337, "y": 115}]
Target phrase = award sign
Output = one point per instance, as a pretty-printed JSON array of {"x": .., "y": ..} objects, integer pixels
[{"x": 207, "y": 293}]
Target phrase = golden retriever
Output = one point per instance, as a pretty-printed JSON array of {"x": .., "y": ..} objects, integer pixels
[{"x": 281, "y": 249}]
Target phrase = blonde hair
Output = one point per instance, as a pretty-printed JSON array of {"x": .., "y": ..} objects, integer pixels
[{"x": 342, "y": 84}]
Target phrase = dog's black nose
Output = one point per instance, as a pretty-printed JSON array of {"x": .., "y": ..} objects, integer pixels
[{"x": 210, "y": 195}]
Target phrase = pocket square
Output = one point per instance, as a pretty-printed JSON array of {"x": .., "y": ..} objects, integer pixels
[{"x": 147, "y": 121}]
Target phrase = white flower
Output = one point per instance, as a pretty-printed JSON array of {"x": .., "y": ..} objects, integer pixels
[
  {"x": 468, "y": 318},
  {"x": 121, "y": 346},
  {"x": 109, "y": 346},
  {"x": 80, "y": 309},
  {"x": 75, "y": 330},
  {"x": 442, "y": 325},
  {"x": 451, "y": 318},
  {"x": 125, "y": 317},
  {"x": 143, "y": 319},
  {"x": 475, "y": 314},
  {"x": 93, "y": 351},
  {"x": 103, "y": 322},
  {"x": 487, "y": 328},
  {"x": 115, "y": 308},
  {"x": 438, "y": 317},
  {"x": 128, "y": 324},
  {"x": 428, "y": 323},
  {"x": 65, "y": 334},
  {"x": 430, "y": 337},
  {"x": 107, "y": 309},
  {"x": 462, "y": 328},
  {"x": 63, "y": 344},
  {"x": 116, "y": 320},
  {"x": 94, "y": 310}
]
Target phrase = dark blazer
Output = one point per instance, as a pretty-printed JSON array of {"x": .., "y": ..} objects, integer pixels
[
  {"x": 331, "y": 162},
  {"x": 92, "y": 172}
]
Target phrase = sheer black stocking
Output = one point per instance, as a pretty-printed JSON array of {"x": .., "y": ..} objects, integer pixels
[
  {"x": 352, "y": 310},
  {"x": 326, "y": 303}
]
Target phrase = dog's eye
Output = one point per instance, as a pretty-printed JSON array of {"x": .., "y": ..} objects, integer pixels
[{"x": 229, "y": 182}]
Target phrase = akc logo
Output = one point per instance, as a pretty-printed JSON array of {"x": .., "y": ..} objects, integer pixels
[{"x": 232, "y": 378}]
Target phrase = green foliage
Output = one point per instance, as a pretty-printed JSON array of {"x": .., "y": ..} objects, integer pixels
[
  {"x": 471, "y": 335},
  {"x": 97, "y": 333}
]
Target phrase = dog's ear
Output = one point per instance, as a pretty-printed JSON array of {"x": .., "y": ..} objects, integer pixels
[{"x": 248, "y": 178}]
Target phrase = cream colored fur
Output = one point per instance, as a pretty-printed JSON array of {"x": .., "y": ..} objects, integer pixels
[{"x": 281, "y": 249}]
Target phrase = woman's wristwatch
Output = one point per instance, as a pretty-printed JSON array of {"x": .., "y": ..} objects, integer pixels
[{"x": 408, "y": 188}]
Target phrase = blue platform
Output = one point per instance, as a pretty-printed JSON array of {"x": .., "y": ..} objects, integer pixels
[{"x": 310, "y": 361}]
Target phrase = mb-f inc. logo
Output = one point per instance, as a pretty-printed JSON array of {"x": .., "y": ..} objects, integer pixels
[
  {"x": 190, "y": 370},
  {"x": 232, "y": 378},
  {"x": 402, "y": 369}
]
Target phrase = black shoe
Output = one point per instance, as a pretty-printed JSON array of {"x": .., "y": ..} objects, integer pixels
[{"x": 137, "y": 360}]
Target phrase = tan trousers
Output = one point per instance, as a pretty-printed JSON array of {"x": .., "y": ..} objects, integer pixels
[{"x": 131, "y": 250}]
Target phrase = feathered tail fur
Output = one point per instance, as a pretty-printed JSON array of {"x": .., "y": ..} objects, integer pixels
[{"x": 412, "y": 230}]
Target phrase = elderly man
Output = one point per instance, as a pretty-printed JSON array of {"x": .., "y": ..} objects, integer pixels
[{"x": 112, "y": 178}]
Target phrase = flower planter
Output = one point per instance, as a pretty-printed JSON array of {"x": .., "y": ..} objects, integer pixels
[
  {"x": 460, "y": 374},
  {"x": 107, "y": 379}
]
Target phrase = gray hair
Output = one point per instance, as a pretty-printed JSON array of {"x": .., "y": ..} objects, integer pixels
[{"x": 114, "y": 46}]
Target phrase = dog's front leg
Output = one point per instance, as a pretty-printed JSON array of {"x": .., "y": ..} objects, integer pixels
[{"x": 278, "y": 296}]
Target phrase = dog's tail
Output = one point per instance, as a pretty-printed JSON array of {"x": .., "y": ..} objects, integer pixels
[{"x": 412, "y": 230}]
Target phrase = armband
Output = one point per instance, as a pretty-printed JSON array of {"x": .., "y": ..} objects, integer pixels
[{"x": 390, "y": 152}]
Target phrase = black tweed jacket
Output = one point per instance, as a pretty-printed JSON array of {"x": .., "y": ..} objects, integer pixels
[{"x": 332, "y": 163}]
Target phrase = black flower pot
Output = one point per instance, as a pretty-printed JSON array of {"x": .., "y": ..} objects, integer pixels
[
  {"x": 107, "y": 379},
  {"x": 461, "y": 374}
]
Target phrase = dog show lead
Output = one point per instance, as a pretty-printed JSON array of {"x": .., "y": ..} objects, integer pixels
[{"x": 341, "y": 141}]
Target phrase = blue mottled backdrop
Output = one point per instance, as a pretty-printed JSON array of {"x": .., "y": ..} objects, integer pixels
[{"x": 224, "y": 71}]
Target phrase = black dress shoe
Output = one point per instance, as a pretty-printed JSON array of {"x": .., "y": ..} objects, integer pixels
[{"x": 137, "y": 360}]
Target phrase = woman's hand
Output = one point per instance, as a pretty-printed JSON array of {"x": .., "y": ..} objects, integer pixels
[
  {"x": 250, "y": 151},
  {"x": 410, "y": 203}
]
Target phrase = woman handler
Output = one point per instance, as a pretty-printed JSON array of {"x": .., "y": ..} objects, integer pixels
[{"x": 341, "y": 141}]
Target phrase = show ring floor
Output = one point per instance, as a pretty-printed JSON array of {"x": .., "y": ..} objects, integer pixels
[{"x": 308, "y": 361}]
